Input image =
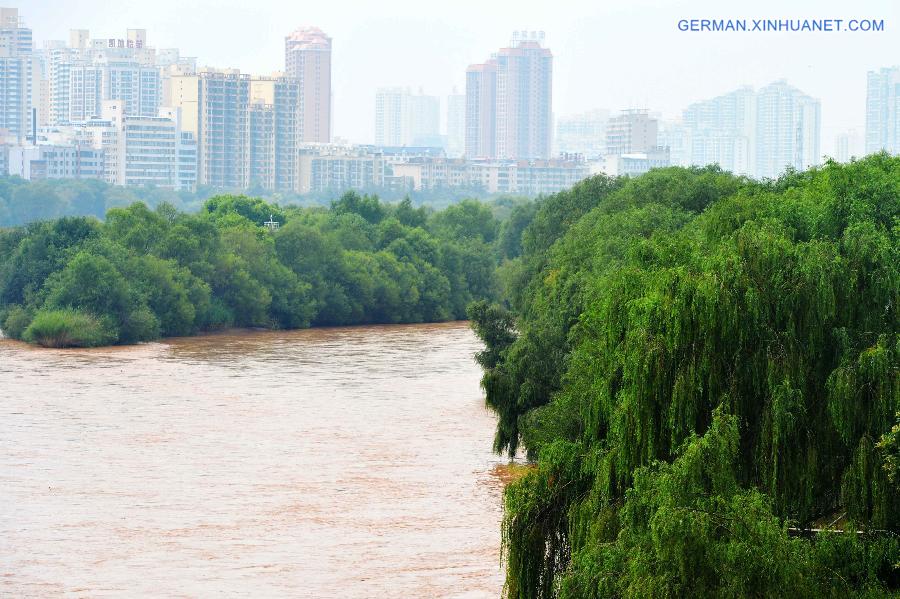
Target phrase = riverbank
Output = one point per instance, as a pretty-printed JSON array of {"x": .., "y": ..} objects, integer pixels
[{"x": 235, "y": 332}]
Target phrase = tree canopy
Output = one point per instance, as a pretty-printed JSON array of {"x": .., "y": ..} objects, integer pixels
[
  {"x": 696, "y": 363},
  {"x": 145, "y": 273}
]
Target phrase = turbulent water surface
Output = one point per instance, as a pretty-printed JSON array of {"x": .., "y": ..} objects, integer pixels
[{"x": 347, "y": 462}]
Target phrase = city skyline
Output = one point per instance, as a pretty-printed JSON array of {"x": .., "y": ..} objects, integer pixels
[{"x": 393, "y": 45}]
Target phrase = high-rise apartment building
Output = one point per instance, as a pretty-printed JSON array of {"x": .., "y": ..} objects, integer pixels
[
  {"x": 274, "y": 132},
  {"x": 87, "y": 72},
  {"x": 788, "y": 124},
  {"x": 247, "y": 128},
  {"x": 722, "y": 131},
  {"x": 307, "y": 58},
  {"x": 15, "y": 36},
  {"x": 847, "y": 145},
  {"x": 17, "y": 62},
  {"x": 456, "y": 124},
  {"x": 509, "y": 100},
  {"x": 223, "y": 99},
  {"x": 758, "y": 133},
  {"x": 142, "y": 150},
  {"x": 481, "y": 110},
  {"x": 390, "y": 110},
  {"x": 633, "y": 131},
  {"x": 406, "y": 119},
  {"x": 883, "y": 111},
  {"x": 215, "y": 107}
]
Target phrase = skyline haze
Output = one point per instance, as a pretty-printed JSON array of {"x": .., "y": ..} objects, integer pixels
[{"x": 610, "y": 57}]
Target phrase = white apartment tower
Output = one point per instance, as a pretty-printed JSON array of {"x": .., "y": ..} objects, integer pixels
[
  {"x": 17, "y": 64},
  {"x": 406, "y": 119},
  {"x": 883, "y": 111},
  {"x": 787, "y": 130},
  {"x": 88, "y": 72},
  {"x": 759, "y": 133},
  {"x": 456, "y": 124}
]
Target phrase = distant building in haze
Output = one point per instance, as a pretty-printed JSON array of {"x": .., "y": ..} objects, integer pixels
[
  {"x": 883, "y": 111},
  {"x": 481, "y": 110},
  {"x": 722, "y": 131},
  {"x": 847, "y": 145},
  {"x": 456, "y": 124},
  {"x": 788, "y": 124},
  {"x": 759, "y": 133},
  {"x": 630, "y": 132},
  {"x": 509, "y": 102},
  {"x": 406, "y": 119},
  {"x": 583, "y": 134}
]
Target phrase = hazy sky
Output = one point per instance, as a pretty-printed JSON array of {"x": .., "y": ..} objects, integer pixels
[{"x": 606, "y": 54}]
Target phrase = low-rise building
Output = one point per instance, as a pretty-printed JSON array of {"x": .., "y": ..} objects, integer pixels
[
  {"x": 530, "y": 177},
  {"x": 631, "y": 165},
  {"x": 326, "y": 167},
  {"x": 48, "y": 161}
]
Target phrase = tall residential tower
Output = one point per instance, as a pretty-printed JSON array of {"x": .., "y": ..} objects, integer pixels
[
  {"x": 406, "y": 119},
  {"x": 17, "y": 64},
  {"x": 307, "y": 58},
  {"x": 509, "y": 101},
  {"x": 883, "y": 111}
]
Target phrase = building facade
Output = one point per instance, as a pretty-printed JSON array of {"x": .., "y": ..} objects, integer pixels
[
  {"x": 406, "y": 119},
  {"x": 307, "y": 58},
  {"x": 758, "y": 133},
  {"x": 788, "y": 124},
  {"x": 275, "y": 107},
  {"x": 883, "y": 111},
  {"x": 456, "y": 125},
  {"x": 632, "y": 131},
  {"x": 528, "y": 177},
  {"x": 324, "y": 167},
  {"x": 509, "y": 103},
  {"x": 17, "y": 63},
  {"x": 481, "y": 110},
  {"x": 86, "y": 72},
  {"x": 49, "y": 161}
]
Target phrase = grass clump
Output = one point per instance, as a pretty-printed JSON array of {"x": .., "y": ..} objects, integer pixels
[{"x": 68, "y": 328}]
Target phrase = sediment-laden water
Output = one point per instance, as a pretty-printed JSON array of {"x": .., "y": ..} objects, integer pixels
[{"x": 351, "y": 462}]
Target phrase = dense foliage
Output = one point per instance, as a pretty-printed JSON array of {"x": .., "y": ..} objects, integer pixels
[
  {"x": 700, "y": 364},
  {"x": 144, "y": 273}
]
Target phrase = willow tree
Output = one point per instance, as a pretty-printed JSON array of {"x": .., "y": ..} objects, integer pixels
[{"x": 681, "y": 297}]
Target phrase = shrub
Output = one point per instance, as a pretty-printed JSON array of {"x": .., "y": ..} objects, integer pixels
[
  {"x": 15, "y": 321},
  {"x": 68, "y": 328},
  {"x": 140, "y": 325}
]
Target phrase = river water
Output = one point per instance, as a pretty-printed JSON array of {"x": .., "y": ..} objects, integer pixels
[{"x": 346, "y": 462}]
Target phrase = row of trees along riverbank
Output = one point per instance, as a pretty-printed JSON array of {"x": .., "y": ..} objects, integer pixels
[
  {"x": 142, "y": 273},
  {"x": 699, "y": 364}
]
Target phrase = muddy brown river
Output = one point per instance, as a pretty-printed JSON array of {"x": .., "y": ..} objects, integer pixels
[{"x": 346, "y": 462}]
